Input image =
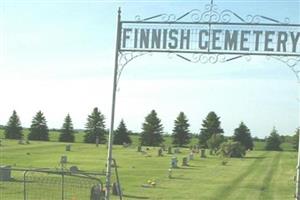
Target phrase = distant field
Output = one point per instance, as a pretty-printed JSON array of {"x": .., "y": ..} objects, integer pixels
[
  {"x": 260, "y": 175},
  {"x": 54, "y": 135}
]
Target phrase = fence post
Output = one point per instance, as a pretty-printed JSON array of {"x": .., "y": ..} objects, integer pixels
[
  {"x": 62, "y": 186},
  {"x": 24, "y": 184}
]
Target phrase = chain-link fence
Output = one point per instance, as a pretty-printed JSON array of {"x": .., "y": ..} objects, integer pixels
[{"x": 45, "y": 184}]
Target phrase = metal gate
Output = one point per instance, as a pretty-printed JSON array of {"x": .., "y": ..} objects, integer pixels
[{"x": 45, "y": 184}]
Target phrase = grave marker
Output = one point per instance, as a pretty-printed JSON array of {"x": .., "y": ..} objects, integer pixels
[
  {"x": 170, "y": 150},
  {"x": 174, "y": 162},
  {"x": 185, "y": 161},
  {"x": 139, "y": 149},
  {"x": 191, "y": 156},
  {"x": 5, "y": 173},
  {"x": 202, "y": 155},
  {"x": 63, "y": 159},
  {"x": 160, "y": 152},
  {"x": 68, "y": 147}
]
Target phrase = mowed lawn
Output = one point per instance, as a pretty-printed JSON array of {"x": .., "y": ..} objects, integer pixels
[{"x": 260, "y": 175}]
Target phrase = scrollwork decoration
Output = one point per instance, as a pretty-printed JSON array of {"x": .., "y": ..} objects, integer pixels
[
  {"x": 212, "y": 14},
  {"x": 291, "y": 62},
  {"x": 210, "y": 58},
  {"x": 125, "y": 58}
]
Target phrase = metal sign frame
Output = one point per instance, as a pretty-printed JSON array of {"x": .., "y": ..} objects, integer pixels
[{"x": 210, "y": 17}]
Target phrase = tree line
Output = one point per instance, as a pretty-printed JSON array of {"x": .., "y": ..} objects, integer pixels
[{"x": 210, "y": 135}]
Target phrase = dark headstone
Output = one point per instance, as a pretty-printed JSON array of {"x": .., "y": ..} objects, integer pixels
[
  {"x": 160, "y": 152},
  {"x": 68, "y": 147},
  {"x": 116, "y": 189},
  {"x": 5, "y": 173},
  {"x": 74, "y": 169},
  {"x": 63, "y": 159},
  {"x": 202, "y": 155},
  {"x": 97, "y": 192},
  {"x": 169, "y": 150},
  {"x": 139, "y": 149},
  {"x": 184, "y": 161}
]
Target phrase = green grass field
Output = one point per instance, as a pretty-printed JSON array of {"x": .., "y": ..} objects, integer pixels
[{"x": 260, "y": 175}]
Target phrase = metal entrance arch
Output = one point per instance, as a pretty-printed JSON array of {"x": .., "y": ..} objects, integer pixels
[{"x": 209, "y": 36}]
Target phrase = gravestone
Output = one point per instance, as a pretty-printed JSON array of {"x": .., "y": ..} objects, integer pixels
[
  {"x": 63, "y": 159},
  {"x": 160, "y": 152},
  {"x": 97, "y": 192},
  {"x": 5, "y": 173},
  {"x": 202, "y": 155},
  {"x": 116, "y": 190},
  {"x": 74, "y": 169},
  {"x": 139, "y": 149},
  {"x": 174, "y": 162},
  {"x": 68, "y": 147},
  {"x": 191, "y": 156},
  {"x": 177, "y": 150},
  {"x": 184, "y": 161},
  {"x": 169, "y": 150}
]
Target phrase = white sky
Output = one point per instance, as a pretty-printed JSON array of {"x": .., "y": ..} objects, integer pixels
[{"x": 58, "y": 58}]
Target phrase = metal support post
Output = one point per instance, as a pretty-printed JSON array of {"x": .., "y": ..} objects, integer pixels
[
  {"x": 297, "y": 195},
  {"x": 110, "y": 138}
]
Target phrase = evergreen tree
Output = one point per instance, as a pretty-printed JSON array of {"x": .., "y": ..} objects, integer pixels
[
  {"x": 296, "y": 139},
  {"x": 95, "y": 127},
  {"x": 67, "y": 131},
  {"x": 39, "y": 129},
  {"x": 242, "y": 134},
  {"x": 13, "y": 129},
  {"x": 121, "y": 135},
  {"x": 211, "y": 125},
  {"x": 181, "y": 134},
  {"x": 273, "y": 141},
  {"x": 152, "y": 130}
]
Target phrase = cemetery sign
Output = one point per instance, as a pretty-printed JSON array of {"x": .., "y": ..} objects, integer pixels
[
  {"x": 201, "y": 37},
  {"x": 206, "y": 36}
]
